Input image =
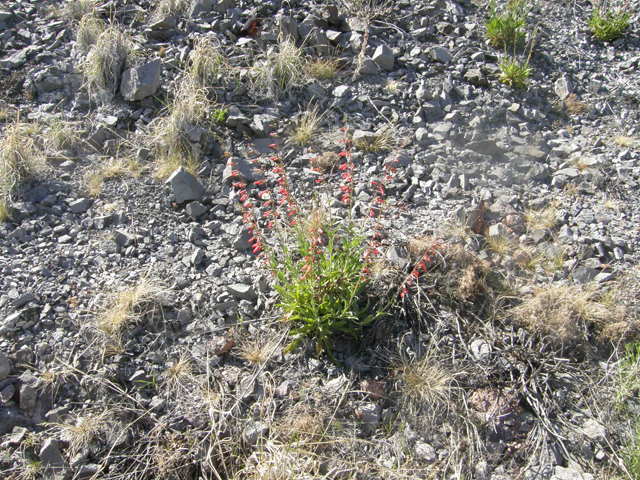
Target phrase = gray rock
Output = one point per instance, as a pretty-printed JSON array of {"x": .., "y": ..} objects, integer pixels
[
  {"x": 5, "y": 366},
  {"x": 239, "y": 167},
  {"x": 241, "y": 241},
  {"x": 185, "y": 186},
  {"x": 480, "y": 349},
  {"x": 475, "y": 77},
  {"x": 255, "y": 432},
  {"x": 141, "y": 82},
  {"x": 485, "y": 147},
  {"x": 341, "y": 91},
  {"x": 426, "y": 452},
  {"x": 242, "y": 291},
  {"x": 570, "y": 473},
  {"x": 22, "y": 300},
  {"x": 165, "y": 23},
  {"x": 28, "y": 397},
  {"x": 595, "y": 431},
  {"x": 197, "y": 257},
  {"x": 195, "y": 210},
  {"x": 16, "y": 60},
  {"x": 51, "y": 458},
  {"x": 370, "y": 415},
  {"x": 4, "y": 16},
  {"x": 563, "y": 87},
  {"x": 80, "y": 205},
  {"x": 199, "y": 7},
  {"x": 584, "y": 275},
  {"x": 383, "y": 57},
  {"x": 482, "y": 471},
  {"x": 235, "y": 117},
  {"x": 368, "y": 67},
  {"x": 441, "y": 55}
]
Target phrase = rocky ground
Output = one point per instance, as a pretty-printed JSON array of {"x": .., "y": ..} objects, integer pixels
[{"x": 140, "y": 337}]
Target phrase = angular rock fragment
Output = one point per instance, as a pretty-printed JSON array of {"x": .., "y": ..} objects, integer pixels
[
  {"x": 185, "y": 186},
  {"x": 141, "y": 82}
]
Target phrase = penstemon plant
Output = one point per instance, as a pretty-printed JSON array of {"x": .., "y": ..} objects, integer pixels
[{"x": 321, "y": 266}]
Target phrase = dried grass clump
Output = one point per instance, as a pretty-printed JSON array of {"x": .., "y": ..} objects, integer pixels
[
  {"x": 20, "y": 159},
  {"x": 127, "y": 306},
  {"x": 302, "y": 425},
  {"x": 62, "y": 135},
  {"x": 170, "y": 133},
  {"x": 258, "y": 350},
  {"x": 425, "y": 384},
  {"x": 206, "y": 62},
  {"x": 275, "y": 461},
  {"x": 174, "y": 8},
  {"x": 84, "y": 430},
  {"x": 88, "y": 32},
  {"x": 384, "y": 140},
  {"x": 541, "y": 219},
  {"x": 626, "y": 141},
  {"x": 129, "y": 166},
  {"x": 502, "y": 245},
  {"x": 323, "y": 68},
  {"x": 279, "y": 71},
  {"x": 464, "y": 274},
  {"x": 107, "y": 59},
  {"x": 307, "y": 126},
  {"x": 563, "y": 313},
  {"x": 179, "y": 373},
  {"x": 77, "y": 9},
  {"x": 326, "y": 161},
  {"x": 574, "y": 106}
]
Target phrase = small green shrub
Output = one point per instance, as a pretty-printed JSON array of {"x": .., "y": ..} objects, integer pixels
[
  {"x": 608, "y": 25},
  {"x": 505, "y": 25},
  {"x": 515, "y": 72}
]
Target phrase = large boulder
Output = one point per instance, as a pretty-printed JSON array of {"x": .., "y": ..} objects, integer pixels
[
  {"x": 141, "y": 82},
  {"x": 185, "y": 187}
]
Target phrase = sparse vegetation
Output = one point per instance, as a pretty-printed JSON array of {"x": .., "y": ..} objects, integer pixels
[
  {"x": 322, "y": 68},
  {"x": 170, "y": 133},
  {"x": 279, "y": 70},
  {"x": 179, "y": 372},
  {"x": 107, "y": 59},
  {"x": 207, "y": 62},
  {"x": 175, "y": 8},
  {"x": 608, "y": 24},
  {"x": 128, "y": 166},
  {"x": 626, "y": 141},
  {"x": 20, "y": 160},
  {"x": 505, "y": 24},
  {"x": 77, "y": 9},
  {"x": 515, "y": 72},
  {"x": 306, "y": 126},
  {"x": 258, "y": 350},
  {"x": 541, "y": 219},
  {"x": 563, "y": 313},
  {"x": 574, "y": 106},
  {"x": 384, "y": 140},
  {"x": 127, "y": 306},
  {"x": 89, "y": 31}
]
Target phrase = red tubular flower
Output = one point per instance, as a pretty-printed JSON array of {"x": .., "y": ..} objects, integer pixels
[{"x": 273, "y": 145}]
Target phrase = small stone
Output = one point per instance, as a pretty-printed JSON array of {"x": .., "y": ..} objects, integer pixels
[
  {"x": 341, "y": 91},
  {"x": 255, "y": 432},
  {"x": 480, "y": 349},
  {"x": 185, "y": 186},
  {"x": 195, "y": 210},
  {"x": 426, "y": 452},
  {"x": 197, "y": 257},
  {"x": 441, "y": 55},
  {"x": 563, "y": 87},
  {"x": 383, "y": 57},
  {"x": 242, "y": 291},
  {"x": 22, "y": 300},
  {"x": 28, "y": 397},
  {"x": 50, "y": 456},
  {"x": 475, "y": 77},
  {"x": 7, "y": 393},
  {"x": 595, "y": 431},
  {"x": 80, "y": 205},
  {"x": 219, "y": 345},
  {"x": 369, "y": 415},
  {"x": 141, "y": 82}
]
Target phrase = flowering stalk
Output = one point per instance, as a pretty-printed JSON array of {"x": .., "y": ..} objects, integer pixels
[{"x": 419, "y": 267}]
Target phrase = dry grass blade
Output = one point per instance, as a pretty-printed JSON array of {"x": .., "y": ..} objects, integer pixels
[
  {"x": 307, "y": 126},
  {"x": 258, "y": 350},
  {"x": 107, "y": 59},
  {"x": 206, "y": 62},
  {"x": 563, "y": 312},
  {"x": 174, "y": 8},
  {"x": 279, "y": 70},
  {"x": 426, "y": 385},
  {"x": 384, "y": 140},
  {"x": 20, "y": 159},
  {"x": 126, "y": 306},
  {"x": 178, "y": 374},
  {"x": 170, "y": 134},
  {"x": 323, "y": 68},
  {"x": 88, "y": 32},
  {"x": 541, "y": 219}
]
